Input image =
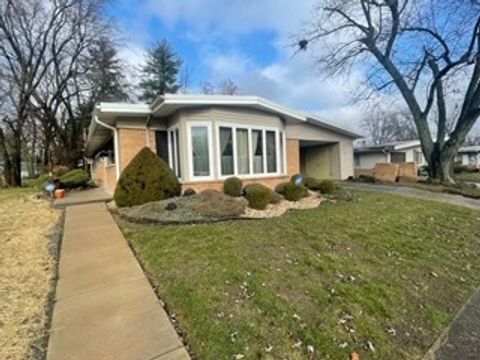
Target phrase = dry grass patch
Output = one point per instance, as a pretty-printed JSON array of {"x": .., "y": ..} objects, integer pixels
[{"x": 27, "y": 267}]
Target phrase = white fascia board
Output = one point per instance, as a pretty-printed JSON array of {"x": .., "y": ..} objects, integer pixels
[
  {"x": 124, "y": 108},
  {"x": 407, "y": 145}
]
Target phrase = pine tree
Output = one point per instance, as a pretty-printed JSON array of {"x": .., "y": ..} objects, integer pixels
[
  {"x": 107, "y": 73},
  {"x": 160, "y": 73}
]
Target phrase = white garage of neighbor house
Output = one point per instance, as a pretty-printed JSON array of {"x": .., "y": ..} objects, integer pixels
[
  {"x": 207, "y": 138},
  {"x": 365, "y": 157},
  {"x": 469, "y": 156}
]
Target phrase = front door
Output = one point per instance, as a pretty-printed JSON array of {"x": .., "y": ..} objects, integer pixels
[{"x": 161, "y": 138}]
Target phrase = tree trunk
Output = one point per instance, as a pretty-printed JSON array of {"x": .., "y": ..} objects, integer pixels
[
  {"x": 440, "y": 166},
  {"x": 17, "y": 160},
  {"x": 7, "y": 162}
]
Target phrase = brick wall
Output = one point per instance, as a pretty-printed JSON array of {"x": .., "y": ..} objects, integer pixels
[
  {"x": 131, "y": 141},
  {"x": 218, "y": 185},
  {"x": 104, "y": 176},
  {"x": 293, "y": 156}
]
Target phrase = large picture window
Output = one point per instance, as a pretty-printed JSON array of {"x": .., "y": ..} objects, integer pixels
[
  {"x": 200, "y": 151},
  {"x": 174, "y": 151},
  {"x": 257, "y": 148},
  {"x": 271, "y": 151},
  {"x": 243, "y": 158},
  {"x": 250, "y": 151},
  {"x": 226, "y": 151}
]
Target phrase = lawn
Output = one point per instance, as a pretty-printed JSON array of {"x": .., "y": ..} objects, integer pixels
[
  {"x": 27, "y": 268},
  {"x": 468, "y": 176},
  {"x": 383, "y": 275}
]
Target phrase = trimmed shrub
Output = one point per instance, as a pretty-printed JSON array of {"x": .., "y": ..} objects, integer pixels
[
  {"x": 258, "y": 196},
  {"x": 213, "y": 203},
  {"x": 276, "y": 198},
  {"x": 280, "y": 188},
  {"x": 294, "y": 192},
  {"x": 328, "y": 187},
  {"x": 59, "y": 170},
  {"x": 189, "y": 192},
  {"x": 457, "y": 169},
  {"x": 233, "y": 186},
  {"x": 74, "y": 179},
  {"x": 312, "y": 183},
  {"x": 366, "y": 178},
  {"x": 146, "y": 178},
  {"x": 41, "y": 181}
]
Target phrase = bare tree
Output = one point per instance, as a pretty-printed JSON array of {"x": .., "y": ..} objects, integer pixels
[
  {"x": 224, "y": 87},
  {"x": 426, "y": 49},
  {"x": 44, "y": 67},
  {"x": 385, "y": 125}
]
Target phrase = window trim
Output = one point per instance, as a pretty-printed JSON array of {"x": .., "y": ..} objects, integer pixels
[
  {"x": 211, "y": 153},
  {"x": 234, "y": 126},
  {"x": 172, "y": 151}
]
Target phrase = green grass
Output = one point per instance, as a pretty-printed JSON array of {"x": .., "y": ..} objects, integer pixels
[
  {"x": 468, "y": 176},
  {"x": 8, "y": 193},
  {"x": 335, "y": 277}
]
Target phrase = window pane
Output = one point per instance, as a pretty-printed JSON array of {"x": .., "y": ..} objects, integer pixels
[
  {"x": 200, "y": 155},
  {"x": 226, "y": 150},
  {"x": 282, "y": 170},
  {"x": 243, "y": 158},
  {"x": 177, "y": 153},
  {"x": 257, "y": 147},
  {"x": 271, "y": 152}
]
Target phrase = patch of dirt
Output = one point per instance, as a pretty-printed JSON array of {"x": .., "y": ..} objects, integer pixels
[{"x": 28, "y": 268}]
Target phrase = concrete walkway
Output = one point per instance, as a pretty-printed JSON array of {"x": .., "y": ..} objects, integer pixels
[
  {"x": 77, "y": 197},
  {"x": 417, "y": 194},
  {"x": 105, "y": 308},
  {"x": 461, "y": 340}
]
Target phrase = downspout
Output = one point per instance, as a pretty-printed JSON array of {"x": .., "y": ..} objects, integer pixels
[
  {"x": 147, "y": 131},
  {"x": 115, "y": 144}
]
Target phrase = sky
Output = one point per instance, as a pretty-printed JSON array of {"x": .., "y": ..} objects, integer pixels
[{"x": 248, "y": 41}]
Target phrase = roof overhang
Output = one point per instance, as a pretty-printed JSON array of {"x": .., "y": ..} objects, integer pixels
[
  {"x": 166, "y": 105},
  {"x": 109, "y": 113}
]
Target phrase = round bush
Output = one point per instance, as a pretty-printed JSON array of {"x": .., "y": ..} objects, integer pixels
[
  {"x": 146, "y": 178},
  {"x": 189, "y": 192},
  {"x": 41, "y": 181},
  {"x": 233, "y": 186},
  {"x": 280, "y": 188},
  {"x": 294, "y": 192},
  {"x": 59, "y": 170},
  {"x": 312, "y": 183},
  {"x": 328, "y": 187},
  {"x": 258, "y": 196},
  {"x": 74, "y": 179}
]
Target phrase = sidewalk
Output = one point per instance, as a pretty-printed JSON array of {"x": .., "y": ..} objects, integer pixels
[
  {"x": 105, "y": 308},
  {"x": 461, "y": 340}
]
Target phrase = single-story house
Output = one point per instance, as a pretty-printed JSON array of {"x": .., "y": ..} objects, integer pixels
[
  {"x": 469, "y": 156},
  {"x": 208, "y": 138},
  {"x": 365, "y": 157}
]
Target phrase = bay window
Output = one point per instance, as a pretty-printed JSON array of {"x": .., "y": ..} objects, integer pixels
[
  {"x": 250, "y": 151},
  {"x": 200, "y": 150},
  {"x": 226, "y": 151},
  {"x": 257, "y": 148},
  {"x": 243, "y": 157},
  {"x": 271, "y": 151},
  {"x": 174, "y": 151}
]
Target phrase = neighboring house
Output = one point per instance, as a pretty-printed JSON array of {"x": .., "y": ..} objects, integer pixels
[
  {"x": 469, "y": 156},
  {"x": 403, "y": 151},
  {"x": 207, "y": 138}
]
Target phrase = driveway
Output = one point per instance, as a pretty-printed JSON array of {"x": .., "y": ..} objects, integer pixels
[{"x": 417, "y": 194}]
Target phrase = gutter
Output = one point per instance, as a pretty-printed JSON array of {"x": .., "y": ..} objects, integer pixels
[
  {"x": 147, "y": 130},
  {"x": 115, "y": 144}
]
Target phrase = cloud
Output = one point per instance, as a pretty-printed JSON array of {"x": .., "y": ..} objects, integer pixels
[{"x": 233, "y": 16}]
